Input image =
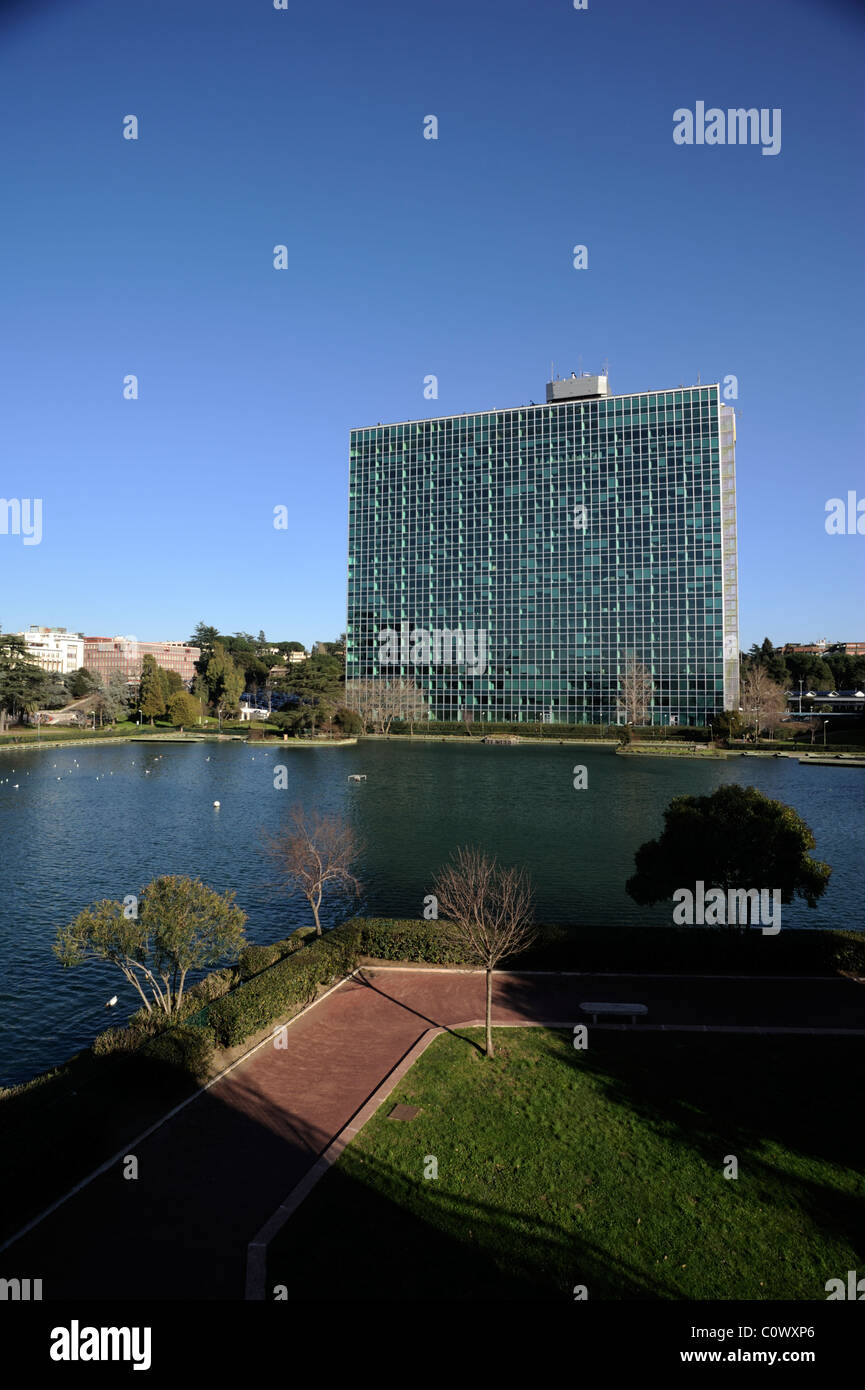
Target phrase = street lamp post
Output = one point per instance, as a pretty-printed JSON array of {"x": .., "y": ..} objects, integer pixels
[
  {"x": 825, "y": 723},
  {"x": 800, "y": 697}
]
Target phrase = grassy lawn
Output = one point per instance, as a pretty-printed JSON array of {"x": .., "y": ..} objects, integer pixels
[{"x": 603, "y": 1168}]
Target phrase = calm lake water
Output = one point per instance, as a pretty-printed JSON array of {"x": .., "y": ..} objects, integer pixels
[{"x": 92, "y": 822}]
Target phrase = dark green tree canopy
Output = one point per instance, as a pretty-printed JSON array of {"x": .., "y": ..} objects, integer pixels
[
  {"x": 735, "y": 838},
  {"x": 151, "y": 691},
  {"x": 22, "y": 682}
]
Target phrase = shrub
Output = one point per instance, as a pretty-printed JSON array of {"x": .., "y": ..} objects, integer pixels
[
  {"x": 115, "y": 1040},
  {"x": 677, "y": 950},
  {"x": 213, "y": 986},
  {"x": 254, "y": 959},
  {"x": 186, "y": 1049},
  {"x": 288, "y": 985},
  {"x": 386, "y": 939},
  {"x": 348, "y": 721}
]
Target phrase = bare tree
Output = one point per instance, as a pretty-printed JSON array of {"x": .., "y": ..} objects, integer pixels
[
  {"x": 486, "y": 912},
  {"x": 635, "y": 692},
  {"x": 314, "y": 853},
  {"x": 403, "y": 699},
  {"x": 362, "y": 696},
  {"x": 763, "y": 702},
  {"x": 380, "y": 702}
]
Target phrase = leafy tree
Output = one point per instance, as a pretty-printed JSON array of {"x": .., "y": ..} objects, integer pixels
[
  {"x": 82, "y": 682},
  {"x": 728, "y": 724},
  {"x": 771, "y": 661},
  {"x": 848, "y": 671},
  {"x": 224, "y": 681},
  {"x": 151, "y": 692},
  {"x": 205, "y": 638},
  {"x": 319, "y": 684},
  {"x": 314, "y": 854},
  {"x": 200, "y": 689},
  {"x": 293, "y": 721},
  {"x": 348, "y": 720},
  {"x": 117, "y": 697},
  {"x": 162, "y": 677},
  {"x": 735, "y": 838},
  {"x": 173, "y": 681},
  {"x": 55, "y": 692},
  {"x": 255, "y": 673},
  {"x": 181, "y": 925},
  {"x": 22, "y": 682},
  {"x": 183, "y": 709},
  {"x": 486, "y": 912}
]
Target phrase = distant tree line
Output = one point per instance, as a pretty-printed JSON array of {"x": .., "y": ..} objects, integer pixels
[{"x": 833, "y": 670}]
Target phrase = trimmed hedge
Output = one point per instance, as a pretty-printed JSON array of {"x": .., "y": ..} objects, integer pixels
[
  {"x": 384, "y": 938},
  {"x": 294, "y": 980},
  {"x": 186, "y": 1049},
  {"x": 254, "y": 959},
  {"x": 659, "y": 950},
  {"x": 286, "y": 986},
  {"x": 115, "y": 1040}
]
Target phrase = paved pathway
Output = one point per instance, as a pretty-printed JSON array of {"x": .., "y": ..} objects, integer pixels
[{"x": 212, "y": 1175}]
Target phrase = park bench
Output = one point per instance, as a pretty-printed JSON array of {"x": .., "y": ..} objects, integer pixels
[{"x": 632, "y": 1011}]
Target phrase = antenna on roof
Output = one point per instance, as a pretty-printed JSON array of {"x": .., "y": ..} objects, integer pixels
[{"x": 605, "y": 366}]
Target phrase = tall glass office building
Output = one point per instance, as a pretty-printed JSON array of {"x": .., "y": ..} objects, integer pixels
[{"x": 529, "y": 564}]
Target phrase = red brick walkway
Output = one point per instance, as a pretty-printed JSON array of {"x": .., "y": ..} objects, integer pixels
[{"x": 211, "y": 1176}]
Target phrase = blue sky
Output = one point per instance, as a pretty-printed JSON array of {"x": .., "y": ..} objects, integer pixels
[{"x": 407, "y": 257}]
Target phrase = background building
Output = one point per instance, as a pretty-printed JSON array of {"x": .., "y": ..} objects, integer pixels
[
  {"x": 54, "y": 649},
  {"x": 107, "y": 656},
  {"x": 823, "y": 646},
  {"x": 580, "y": 536}
]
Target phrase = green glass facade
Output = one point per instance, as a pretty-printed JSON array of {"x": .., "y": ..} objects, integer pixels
[{"x": 473, "y": 524}]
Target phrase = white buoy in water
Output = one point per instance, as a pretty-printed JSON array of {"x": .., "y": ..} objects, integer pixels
[{"x": 216, "y": 804}]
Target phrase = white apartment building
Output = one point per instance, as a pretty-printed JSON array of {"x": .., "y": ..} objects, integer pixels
[{"x": 54, "y": 649}]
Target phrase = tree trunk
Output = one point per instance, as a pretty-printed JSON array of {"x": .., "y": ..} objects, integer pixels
[
  {"x": 489, "y": 1013},
  {"x": 314, "y": 906}
]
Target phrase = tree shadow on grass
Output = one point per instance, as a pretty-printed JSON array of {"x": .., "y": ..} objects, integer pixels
[
  {"x": 720, "y": 1095},
  {"x": 368, "y": 1232},
  {"x": 798, "y": 1090}
]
